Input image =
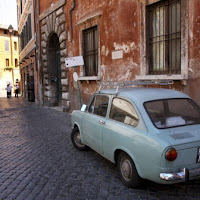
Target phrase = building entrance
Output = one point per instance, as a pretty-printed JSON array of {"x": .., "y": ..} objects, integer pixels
[{"x": 54, "y": 70}]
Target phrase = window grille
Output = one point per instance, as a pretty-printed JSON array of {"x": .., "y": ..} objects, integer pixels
[
  {"x": 164, "y": 37},
  {"x": 90, "y": 51}
]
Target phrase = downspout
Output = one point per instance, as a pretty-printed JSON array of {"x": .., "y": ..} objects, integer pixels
[
  {"x": 35, "y": 50},
  {"x": 35, "y": 32},
  {"x": 38, "y": 49},
  {"x": 39, "y": 57},
  {"x": 70, "y": 16}
]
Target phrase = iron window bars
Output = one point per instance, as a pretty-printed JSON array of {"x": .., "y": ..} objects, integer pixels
[
  {"x": 90, "y": 51},
  {"x": 164, "y": 37}
]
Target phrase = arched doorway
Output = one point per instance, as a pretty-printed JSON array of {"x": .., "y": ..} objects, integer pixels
[{"x": 54, "y": 70}]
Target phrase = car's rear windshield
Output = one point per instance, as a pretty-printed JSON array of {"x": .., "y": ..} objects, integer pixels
[{"x": 169, "y": 113}]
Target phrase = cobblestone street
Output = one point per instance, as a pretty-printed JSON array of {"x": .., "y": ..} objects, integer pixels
[{"x": 38, "y": 161}]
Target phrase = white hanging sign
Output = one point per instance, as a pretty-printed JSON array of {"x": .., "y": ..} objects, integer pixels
[{"x": 74, "y": 61}]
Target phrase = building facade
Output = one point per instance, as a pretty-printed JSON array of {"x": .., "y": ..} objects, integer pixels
[
  {"x": 119, "y": 41},
  {"x": 27, "y": 55},
  {"x": 9, "y": 58}
]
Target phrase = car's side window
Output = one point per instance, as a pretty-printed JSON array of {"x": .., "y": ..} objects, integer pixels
[
  {"x": 99, "y": 105},
  {"x": 123, "y": 111}
]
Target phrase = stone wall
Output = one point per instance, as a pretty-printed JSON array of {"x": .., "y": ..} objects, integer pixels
[{"x": 53, "y": 20}]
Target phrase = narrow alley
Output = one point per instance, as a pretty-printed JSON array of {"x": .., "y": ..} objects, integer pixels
[{"x": 38, "y": 161}]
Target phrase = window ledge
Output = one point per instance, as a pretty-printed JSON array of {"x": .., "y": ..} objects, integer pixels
[
  {"x": 162, "y": 77},
  {"x": 89, "y": 78}
]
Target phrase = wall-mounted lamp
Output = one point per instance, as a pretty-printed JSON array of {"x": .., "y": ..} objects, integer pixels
[{"x": 10, "y": 28}]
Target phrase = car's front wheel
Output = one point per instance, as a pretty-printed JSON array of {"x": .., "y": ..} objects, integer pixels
[
  {"x": 128, "y": 172},
  {"x": 76, "y": 140}
]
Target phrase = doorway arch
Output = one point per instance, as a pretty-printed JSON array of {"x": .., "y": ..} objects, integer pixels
[{"x": 54, "y": 70}]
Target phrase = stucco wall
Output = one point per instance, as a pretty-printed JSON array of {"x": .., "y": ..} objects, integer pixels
[
  {"x": 118, "y": 31},
  {"x": 8, "y": 76},
  {"x": 120, "y": 24},
  {"x": 194, "y": 50}
]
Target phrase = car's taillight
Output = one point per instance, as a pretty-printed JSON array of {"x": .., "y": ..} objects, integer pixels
[{"x": 171, "y": 154}]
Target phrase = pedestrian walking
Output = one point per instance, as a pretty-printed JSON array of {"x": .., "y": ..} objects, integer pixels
[
  {"x": 9, "y": 89},
  {"x": 16, "y": 90}
]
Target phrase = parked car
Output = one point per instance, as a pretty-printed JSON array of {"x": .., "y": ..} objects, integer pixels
[{"x": 151, "y": 133}]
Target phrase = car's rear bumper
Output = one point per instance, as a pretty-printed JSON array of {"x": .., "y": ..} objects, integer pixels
[{"x": 184, "y": 174}]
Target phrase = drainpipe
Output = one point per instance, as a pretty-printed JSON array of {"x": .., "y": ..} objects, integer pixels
[{"x": 70, "y": 14}]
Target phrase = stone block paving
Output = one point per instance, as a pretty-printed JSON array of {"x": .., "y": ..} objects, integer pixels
[{"x": 38, "y": 162}]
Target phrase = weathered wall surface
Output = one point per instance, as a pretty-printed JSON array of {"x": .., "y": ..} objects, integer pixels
[
  {"x": 194, "y": 50},
  {"x": 118, "y": 31},
  {"x": 46, "y": 4},
  {"x": 119, "y": 25}
]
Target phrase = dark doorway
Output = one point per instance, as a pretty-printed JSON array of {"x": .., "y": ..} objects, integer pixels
[
  {"x": 30, "y": 83},
  {"x": 54, "y": 69},
  {"x": 24, "y": 86}
]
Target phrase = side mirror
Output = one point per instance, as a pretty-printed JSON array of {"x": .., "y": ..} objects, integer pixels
[{"x": 83, "y": 108}]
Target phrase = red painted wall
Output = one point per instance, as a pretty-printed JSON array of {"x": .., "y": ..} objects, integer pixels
[
  {"x": 120, "y": 30},
  {"x": 194, "y": 50},
  {"x": 45, "y": 4}
]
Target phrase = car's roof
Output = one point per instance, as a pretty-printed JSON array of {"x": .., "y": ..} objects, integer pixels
[{"x": 143, "y": 94}]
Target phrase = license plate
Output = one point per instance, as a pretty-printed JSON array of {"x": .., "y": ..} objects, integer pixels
[{"x": 198, "y": 155}]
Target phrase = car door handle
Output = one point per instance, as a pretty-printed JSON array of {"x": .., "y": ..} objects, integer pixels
[{"x": 102, "y": 122}]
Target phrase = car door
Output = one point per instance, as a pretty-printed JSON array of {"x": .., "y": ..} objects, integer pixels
[
  {"x": 94, "y": 121},
  {"x": 120, "y": 130}
]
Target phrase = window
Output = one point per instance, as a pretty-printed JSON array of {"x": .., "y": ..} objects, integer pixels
[
  {"x": 29, "y": 28},
  {"x": 16, "y": 63},
  {"x": 164, "y": 37},
  {"x": 123, "y": 111},
  {"x": 99, "y": 105},
  {"x": 173, "y": 112},
  {"x": 5, "y": 32},
  {"x": 26, "y": 34},
  {"x": 7, "y": 62},
  {"x": 15, "y": 46},
  {"x": 90, "y": 51},
  {"x": 21, "y": 8},
  {"x": 6, "y": 45}
]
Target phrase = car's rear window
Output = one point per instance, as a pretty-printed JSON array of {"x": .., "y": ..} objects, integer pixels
[{"x": 169, "y": 113}]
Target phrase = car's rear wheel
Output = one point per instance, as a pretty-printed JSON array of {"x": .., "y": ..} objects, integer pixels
[
  {"x": 76, "y": 140},
  {"x": 128, "y": 172}
]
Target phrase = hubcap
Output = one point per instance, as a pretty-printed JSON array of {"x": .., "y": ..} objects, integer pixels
[
  {"x": 126, "y": 169},
  {"x": 77, "y": 139}
]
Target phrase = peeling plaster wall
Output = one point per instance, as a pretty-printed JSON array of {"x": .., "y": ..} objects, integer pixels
[
  {"x": 194, "y": 50},
  {"x": 118, "y": 31},
  {"x": 121, "y": 25}
]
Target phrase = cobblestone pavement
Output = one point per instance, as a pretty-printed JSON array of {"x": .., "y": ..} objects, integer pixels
[{"x": 38, "y": 161}]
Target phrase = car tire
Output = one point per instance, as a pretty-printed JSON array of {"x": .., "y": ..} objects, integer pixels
[
  {"x": 76, "y": 140},
  {"x": 128, "y": 172}
]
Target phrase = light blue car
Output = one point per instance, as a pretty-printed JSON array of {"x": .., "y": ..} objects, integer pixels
[{"x": 151, "y": 133}]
